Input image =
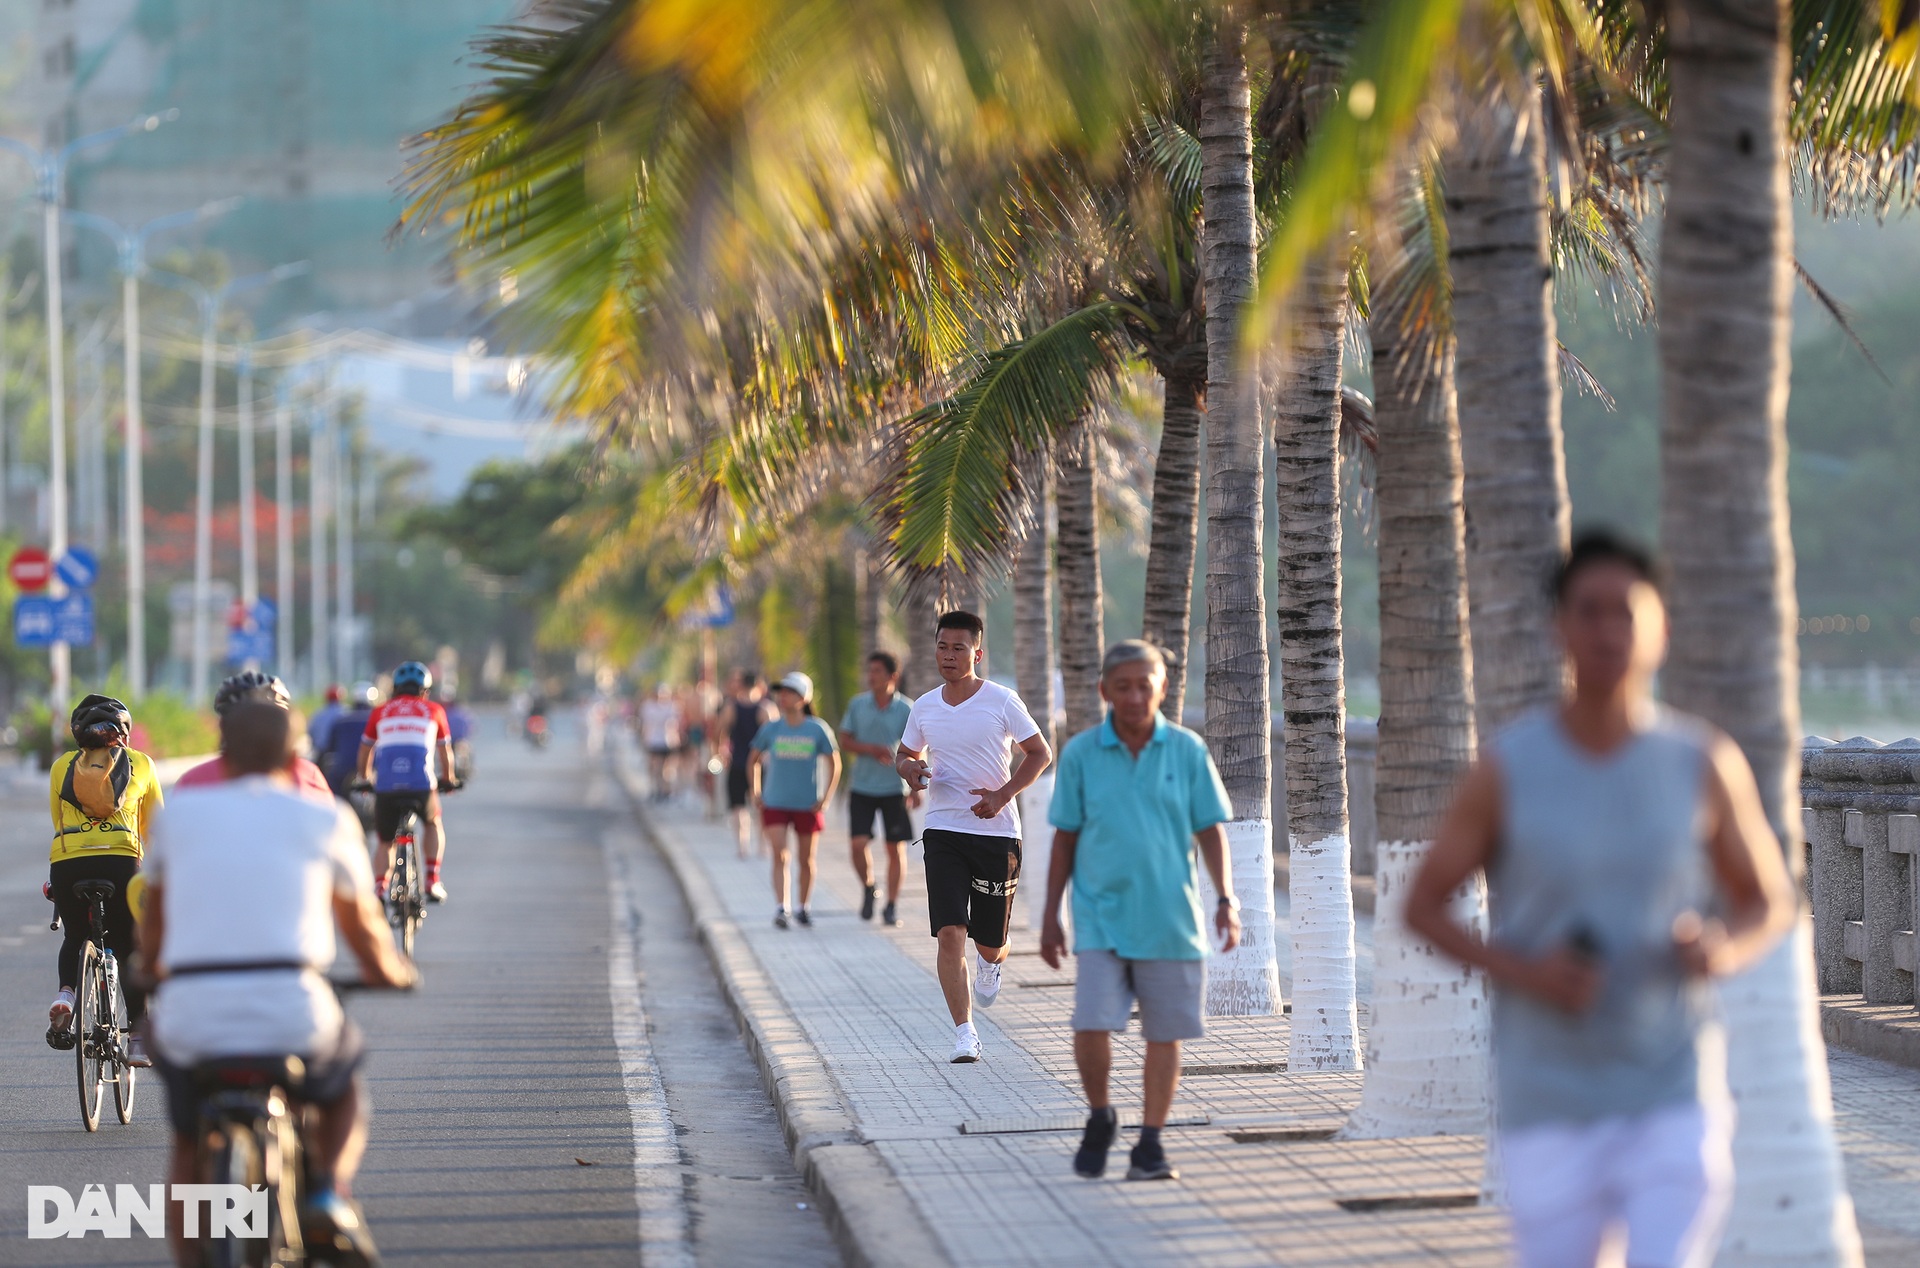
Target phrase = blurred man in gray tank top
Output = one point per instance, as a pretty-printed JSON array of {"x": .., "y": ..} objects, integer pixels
[{"x": 1628, "y": 860}]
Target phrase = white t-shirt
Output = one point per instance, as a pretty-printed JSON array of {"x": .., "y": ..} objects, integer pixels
[
  {"x": 248, "y": 872},
  {"x": 660, "y": 724},
  {"x": 967, "y": 747}
]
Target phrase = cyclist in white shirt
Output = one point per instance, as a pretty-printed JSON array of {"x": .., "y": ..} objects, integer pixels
[{"x": 246, "y": 881}]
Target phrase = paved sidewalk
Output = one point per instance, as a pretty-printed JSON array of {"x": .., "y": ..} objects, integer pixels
[{"x": 983, "y": 1152}]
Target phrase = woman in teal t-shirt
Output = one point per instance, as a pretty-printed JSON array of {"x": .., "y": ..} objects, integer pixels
[{"x": 787, "y": 788}]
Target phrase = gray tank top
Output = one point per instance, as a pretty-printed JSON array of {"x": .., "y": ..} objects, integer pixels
[{"x": 1606, "y": 850}]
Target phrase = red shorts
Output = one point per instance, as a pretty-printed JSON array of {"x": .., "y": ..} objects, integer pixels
[{"x": 808, "y": 822}]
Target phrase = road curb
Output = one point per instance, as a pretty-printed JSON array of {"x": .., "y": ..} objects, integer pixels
[
  {"x": 1889, "y": 1032},
  {"x": 870, "y": 1213}
]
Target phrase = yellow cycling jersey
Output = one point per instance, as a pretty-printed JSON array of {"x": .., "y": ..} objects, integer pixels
[{"x": 78, "y": 835}]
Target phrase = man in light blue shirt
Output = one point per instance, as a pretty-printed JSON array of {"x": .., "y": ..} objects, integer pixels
[
  {"x": 871, "y": 731},
  {"x": 1131, "y": 798}
]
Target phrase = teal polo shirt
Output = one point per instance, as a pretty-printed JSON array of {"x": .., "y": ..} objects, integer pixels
[{"x": 1136, "y": 886}]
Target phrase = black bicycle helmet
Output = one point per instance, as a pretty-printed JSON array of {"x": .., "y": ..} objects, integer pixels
[
  {"x": 412, "y": 679},
  {"x": 251, "y": 684},
  {"x": 98, "y": 720}
]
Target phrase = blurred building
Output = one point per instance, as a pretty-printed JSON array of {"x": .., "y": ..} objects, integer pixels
[{"x": 302, "y": 106}]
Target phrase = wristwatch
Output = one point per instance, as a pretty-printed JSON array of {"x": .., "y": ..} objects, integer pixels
[{"x": 1230, "y": 902}]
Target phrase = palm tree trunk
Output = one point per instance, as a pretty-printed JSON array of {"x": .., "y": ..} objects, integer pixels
[
  {"x": 1081, "y": 635},
  {"x": 1427, "y": 1042},
  {"x": 1239, "y": 707},
  {"x": 1033, "y": 670},
  {"x": 1306, "y": 437},
  {"x": 1174, "y": 536},
  {"x": 1508, "y": 385},
  {"x": 1725, "y": 278},
  {"x": 919, "y": 609}
]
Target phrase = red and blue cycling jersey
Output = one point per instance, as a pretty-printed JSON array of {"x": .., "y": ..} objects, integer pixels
[{"x": 405, "y": 733}]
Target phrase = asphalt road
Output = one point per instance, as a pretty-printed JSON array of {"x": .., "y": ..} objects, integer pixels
[{"x": 566, "y": 1085}]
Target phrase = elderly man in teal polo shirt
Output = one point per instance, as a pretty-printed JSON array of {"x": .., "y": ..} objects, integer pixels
[{"x": 1131, "y": 799}]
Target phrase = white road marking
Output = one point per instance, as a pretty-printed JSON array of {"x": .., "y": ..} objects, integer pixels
[{"x": 665, "y": 1230}]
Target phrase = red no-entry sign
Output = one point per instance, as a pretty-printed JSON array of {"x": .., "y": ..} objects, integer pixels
[{"x": 30, "y": 568}]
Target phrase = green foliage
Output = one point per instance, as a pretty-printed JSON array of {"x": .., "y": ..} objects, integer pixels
[
  {"x": 782, "y": 639},
  {"x": 833, "y": 642},
  {"x": 503, "y": 519}
]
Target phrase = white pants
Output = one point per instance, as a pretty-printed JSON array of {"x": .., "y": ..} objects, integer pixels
[{"x": 1665, "y": 1178}]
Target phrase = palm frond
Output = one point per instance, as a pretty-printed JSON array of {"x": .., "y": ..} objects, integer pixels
[
  {"x": 952, "y": 496},
  {"x": 1576, "y": 372}
]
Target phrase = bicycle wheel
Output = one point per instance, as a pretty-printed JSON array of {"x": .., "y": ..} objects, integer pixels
[
  {"x": 231, "y": 1155},
  {"x": 88, "y": 1020},
  {"x": 123, "y": 1074}
]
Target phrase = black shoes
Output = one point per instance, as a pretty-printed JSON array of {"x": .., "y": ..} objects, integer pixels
[
  {"x": 891, "y": 916},
  {"x": 1091, "y": 1161},
  {"x": 780, "y": 919},
  {"x": 866, "y": 904},
  {"x": 1149, "y": 1162},
  {"x": 805, "y": 918}
]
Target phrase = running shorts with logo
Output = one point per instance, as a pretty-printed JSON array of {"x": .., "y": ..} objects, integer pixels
[
  {"x": 892, "y": 812},
  {"x": 971, "y": 880}
]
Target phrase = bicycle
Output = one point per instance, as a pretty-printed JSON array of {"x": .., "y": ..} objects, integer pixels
[
  {"x": 252, "y": 1131},
  {"x": 407, "y": 884},
  {"x": 100, "y": 1025}
]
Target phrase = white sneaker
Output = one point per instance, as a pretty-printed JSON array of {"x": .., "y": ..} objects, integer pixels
[
  {"x": 986, "y": 981},
  {"x": 966, "y": 1050}
]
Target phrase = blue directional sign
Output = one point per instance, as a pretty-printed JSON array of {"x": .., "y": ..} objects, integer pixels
[
  {"x": 73, "y": 619},
  {"x": 78, "y": 567},
  {"x": 252, "y": 639},
  {"x": 33, "y": 621},
  {"x": 266, "y": 613},
  {"x": 716, "y": 612}
]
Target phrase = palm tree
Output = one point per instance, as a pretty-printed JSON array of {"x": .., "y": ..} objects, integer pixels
[
  {"x": 1306, "y": 442},
  {"x": 1427, "y": 1045},
  {"x": 1082, "y": 640},
  {"x": 1507, "y": 380},
  {"x": 1238, "y": 703},
  {"x": 1726, "y": 270}
]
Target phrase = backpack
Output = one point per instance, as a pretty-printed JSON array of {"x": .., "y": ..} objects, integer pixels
[{"x": 97, "y": 781}]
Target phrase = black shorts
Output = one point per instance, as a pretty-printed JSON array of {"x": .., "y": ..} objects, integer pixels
[
  {"x": 894, "y": 820},
  {"x": 737, "y": 787},
  {"x": 390, "y": 807},
  {"x": 329, "y": 1076},
  {"x": 971, "y": 881}
]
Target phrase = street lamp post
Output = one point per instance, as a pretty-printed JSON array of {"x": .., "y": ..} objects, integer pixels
[
  {"x": 283, "y": 531},
  {"x": 131, "y": 245},
  {"x": 50, "y": 171},
  {"x": 210, "y": 302}
]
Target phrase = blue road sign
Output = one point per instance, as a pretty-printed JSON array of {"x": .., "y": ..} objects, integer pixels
[
  {"x": 266, "y": 613},
  {"x": 33, "y": 621},
  {"x": 251, "y": 640},
  {"x": 73, "y": 619},
  {"x": 78, "y": 568},
  {"x": 717, "y": 612}
]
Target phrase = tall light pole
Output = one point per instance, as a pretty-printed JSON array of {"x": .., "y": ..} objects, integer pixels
[
  {"x": 131, "y": 245},
  {"x": 50, "y": 172},
  {"x": 283, "y": 531},
  {"x": 319, "y": 443},
  {"x": 210, "y": 302}
]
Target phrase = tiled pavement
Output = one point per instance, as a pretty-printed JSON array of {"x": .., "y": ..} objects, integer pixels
[
  {"x": 1258, "y": 1184},
  {"x": 868, "y": 1001}
]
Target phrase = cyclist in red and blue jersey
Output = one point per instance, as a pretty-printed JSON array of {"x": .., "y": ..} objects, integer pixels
[{"x": 407, "y": 751}]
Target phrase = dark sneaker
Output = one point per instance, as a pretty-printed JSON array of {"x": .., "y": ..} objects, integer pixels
[
  {"x": 891, "y": 916},
  {"x": 1091, "y": 1161},
  {"x": 60, "y": 1024},
  {"x": 806, "y": 918},
  {"x": 866, "y": 904},
  {"x": 334, "y": 1228},
  {"x": 780, "y": 919},
  {"x": 1149, "y": 1162}
]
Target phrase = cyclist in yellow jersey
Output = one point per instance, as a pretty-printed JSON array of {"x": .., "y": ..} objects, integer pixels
[{"x": 102, "y": 799}]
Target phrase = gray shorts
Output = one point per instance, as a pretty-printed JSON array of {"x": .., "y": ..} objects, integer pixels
[{"x": 1169, "y": 993}]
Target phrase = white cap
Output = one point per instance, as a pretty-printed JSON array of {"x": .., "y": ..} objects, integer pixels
[{"x": 797, "y": 681}]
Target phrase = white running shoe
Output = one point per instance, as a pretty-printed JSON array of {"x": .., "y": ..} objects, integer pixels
[
  {"x": 966, "y": 1050},
  {"x": 986, "y": 981}
]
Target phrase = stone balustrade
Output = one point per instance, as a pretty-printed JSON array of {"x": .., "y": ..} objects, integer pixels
[{"x": 1862, "y": 818}]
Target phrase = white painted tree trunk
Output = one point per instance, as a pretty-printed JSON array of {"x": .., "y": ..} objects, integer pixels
[
  {"x": 1325, "y": 1021},
  {"x": 1245, "y": 982},
  {"x": 1790, "y": 1203},
  {"x": 1427, "y": 1039},
  {"x": 1036, "y": 851}
]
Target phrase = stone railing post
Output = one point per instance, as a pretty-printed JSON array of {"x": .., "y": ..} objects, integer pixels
[{"x": 1862, "y": 816}]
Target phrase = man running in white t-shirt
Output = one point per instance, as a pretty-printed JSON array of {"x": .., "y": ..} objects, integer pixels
[{"x": 956, "y": 746}]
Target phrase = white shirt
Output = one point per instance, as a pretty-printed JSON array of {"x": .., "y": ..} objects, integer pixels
[
  {"x": 248, "y": 872},
  {"x": 966, "y": 747},
  {"x": 660, "y": 723}
]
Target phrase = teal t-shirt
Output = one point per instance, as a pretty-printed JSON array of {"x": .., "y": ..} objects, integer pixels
[
  {"x": 791, "y": 780},
  {"x": 868, "y": 723},
  {"x": 1136, "y": 889}
]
